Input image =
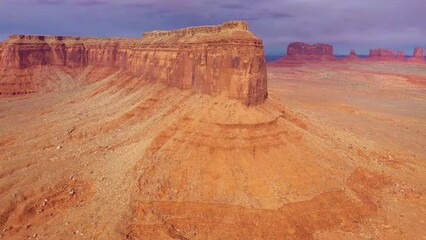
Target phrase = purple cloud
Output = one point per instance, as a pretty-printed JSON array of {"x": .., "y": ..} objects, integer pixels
[
  {"x": 50, "y": 2},
  {"x": 89, "y": 3}
]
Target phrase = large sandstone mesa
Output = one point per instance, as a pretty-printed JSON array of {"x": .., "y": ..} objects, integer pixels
[
  {"x": 300, "y": 53},
  {"x": 303, "y": 49},
  {"x": 226, "y": 58},
  {"x": 381, "y": 54}
]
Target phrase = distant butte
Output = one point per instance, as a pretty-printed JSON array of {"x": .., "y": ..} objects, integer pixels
[
  {"x": 419, "y": 52},
  {"x": 400, "y": 54},
  {"x": 303, "y": 49},
  {"x": 223, "y": 59},
  {"x": 418, "y": 55},
  {"x": 351, "y": 57},
  {"x": 381, "y": 54},
  {"x": 299, "y": 53}
]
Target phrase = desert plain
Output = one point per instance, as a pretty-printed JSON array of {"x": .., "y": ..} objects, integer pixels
[{"x": 337, "y": 151}]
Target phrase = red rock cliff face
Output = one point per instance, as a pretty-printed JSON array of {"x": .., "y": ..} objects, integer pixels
[
  {"x": 380, "y": 52},
  {"x": 386, "y": 54},
  {"x": 419, "y": 52},
  {"x": 418, "y": 55},
  {"x": 301, "y": 53},
  {"x": 213, "y": 59},
  {"x": 1, "y": 50},
  {"x": 301, "y": 49}
]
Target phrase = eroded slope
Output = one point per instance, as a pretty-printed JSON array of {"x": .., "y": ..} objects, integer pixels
[{"x": 125, "y": 158}]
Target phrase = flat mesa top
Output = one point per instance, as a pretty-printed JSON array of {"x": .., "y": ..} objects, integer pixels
[
  {"x": 232, "y": 29},
  {"x": 227, "y": 26}
]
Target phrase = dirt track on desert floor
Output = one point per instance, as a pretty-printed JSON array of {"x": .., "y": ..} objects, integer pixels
[{"x": 337, "y": 151}]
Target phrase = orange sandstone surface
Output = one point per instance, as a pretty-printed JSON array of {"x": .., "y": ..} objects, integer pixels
[{"x": 225, "y": 59}]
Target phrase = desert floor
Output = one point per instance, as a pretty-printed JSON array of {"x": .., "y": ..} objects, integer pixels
[{"x": 338, "y": 151}]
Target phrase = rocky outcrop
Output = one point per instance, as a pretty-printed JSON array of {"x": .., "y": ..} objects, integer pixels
[
  {"x": 303, "y": 49},
  {"x": 300, "y": 53},
  {"x": 381, "y": 54},
  {"x": 219, "y": 59},
  {"x": 419, "y": 52},
  {"x": 418, "y": 55},
  {"x": 400, "y": 54},
  {"x": 351, "y": 57}
]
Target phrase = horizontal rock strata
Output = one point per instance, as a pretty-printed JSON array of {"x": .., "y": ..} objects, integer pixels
[{"x": 218, "y": 59}]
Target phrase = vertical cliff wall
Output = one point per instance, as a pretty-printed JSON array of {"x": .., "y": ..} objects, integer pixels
[{"x": 212, "y": 59}]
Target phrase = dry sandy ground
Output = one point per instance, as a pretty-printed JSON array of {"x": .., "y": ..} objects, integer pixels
[{"x": 336, "y": 152}]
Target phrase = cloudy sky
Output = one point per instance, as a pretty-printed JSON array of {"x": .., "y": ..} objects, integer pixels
[{"x": 358, "y": 24}]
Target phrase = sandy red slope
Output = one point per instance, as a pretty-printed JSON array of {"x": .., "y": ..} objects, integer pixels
[{"x": 336, "y": 152}]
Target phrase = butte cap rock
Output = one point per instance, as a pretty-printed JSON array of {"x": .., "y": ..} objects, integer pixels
[{"x": 223, "y": 59}]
